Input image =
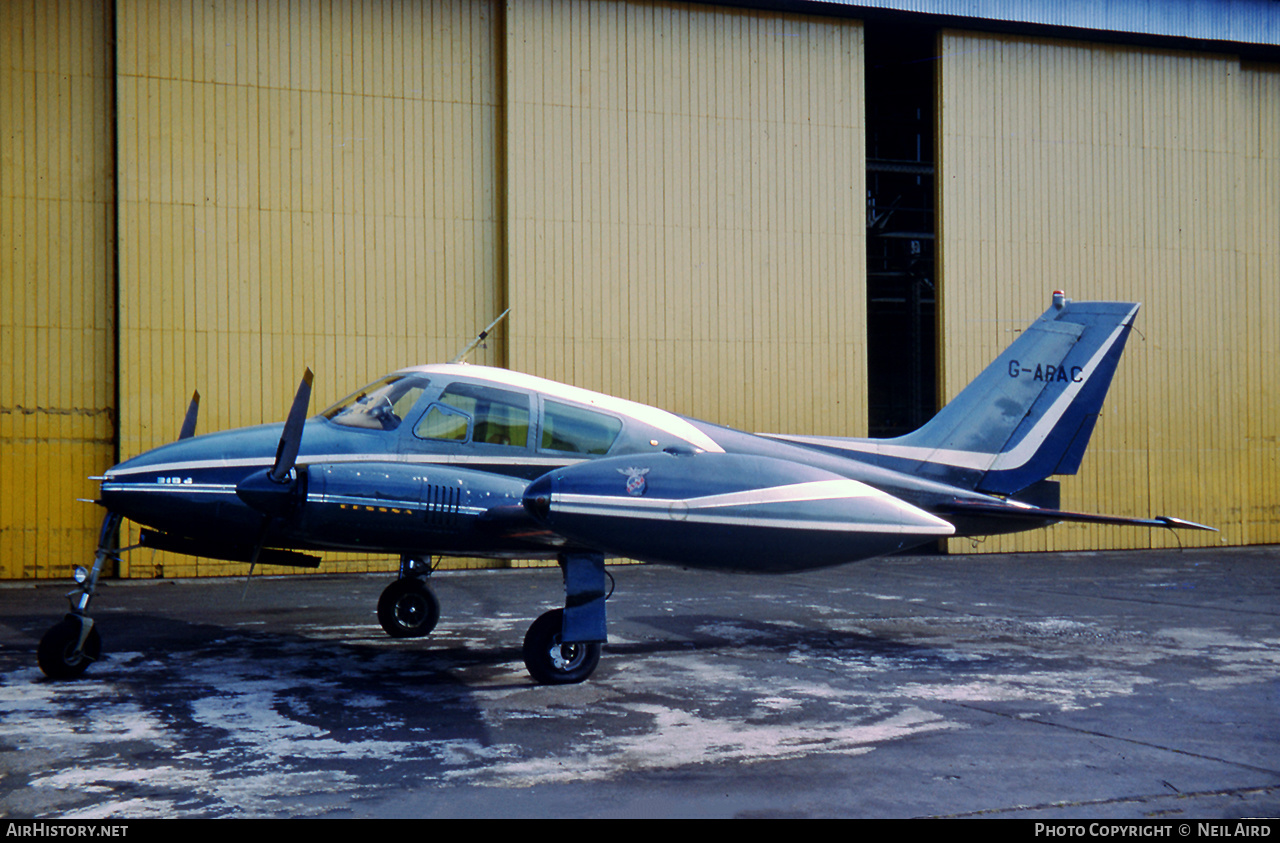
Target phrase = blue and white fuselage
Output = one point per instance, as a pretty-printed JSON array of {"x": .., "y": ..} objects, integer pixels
[
  {"x": 408, "y": 487},
  {"x": 470, "y": 460}
]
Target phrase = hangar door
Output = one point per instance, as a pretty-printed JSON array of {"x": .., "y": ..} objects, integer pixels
[{"x": 1140, "y": 175}]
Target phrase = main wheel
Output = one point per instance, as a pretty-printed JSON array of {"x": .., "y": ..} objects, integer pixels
[
  {"x": 408, "y": 609},
  {"x": 551, "y": 662},
  {"x": 57, "y": 653}
]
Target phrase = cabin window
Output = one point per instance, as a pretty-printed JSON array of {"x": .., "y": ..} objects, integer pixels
[
  {"x": 446, "y": 423},
  {"x": 499, "y": 416},
  {"x": 577, "y": 430}
]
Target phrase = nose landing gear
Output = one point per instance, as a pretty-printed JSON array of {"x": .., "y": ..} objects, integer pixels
[
  {"x": 73, "y": 643},
  {"x": 69, "y": 647}
]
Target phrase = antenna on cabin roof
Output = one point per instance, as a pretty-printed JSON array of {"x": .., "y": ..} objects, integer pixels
[{"x": 462, "y": 355}]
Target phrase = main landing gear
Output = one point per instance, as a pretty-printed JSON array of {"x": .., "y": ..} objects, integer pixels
[
  {"x": 73, "y": 643},
  {"x": 550, "y": 659},
  {"x": 562, "y": 646},
  {"x": 408, "y": 608}
]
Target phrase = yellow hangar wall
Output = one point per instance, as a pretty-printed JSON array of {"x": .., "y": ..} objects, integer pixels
[
  {"x": 686, "y": 195},
  {"x": 1139, "y": 175},
  {"x": 57, "y": 265},
  {"x": 301, "y": 185}
]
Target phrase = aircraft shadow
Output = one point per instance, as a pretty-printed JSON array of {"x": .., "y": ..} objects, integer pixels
[{"x": 712, "y": 633}]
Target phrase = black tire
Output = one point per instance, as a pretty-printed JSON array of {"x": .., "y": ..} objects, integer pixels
[
  {"x": 57, "y": 653},
  {"x": 408, "y": 609},
  {"x": 552, "y": 663}
]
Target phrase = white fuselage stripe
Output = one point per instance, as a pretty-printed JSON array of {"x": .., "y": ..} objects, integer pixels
[
  {"x": 324, "y": 459},
  {"x": 617, "y": 508},
  {"x": 696, "y": 509},
  {"x": 172, "y": 488},
  {"x": 817, "y": 490}
]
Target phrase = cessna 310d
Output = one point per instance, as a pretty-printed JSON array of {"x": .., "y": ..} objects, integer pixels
[{"x": 475, "y": 461}]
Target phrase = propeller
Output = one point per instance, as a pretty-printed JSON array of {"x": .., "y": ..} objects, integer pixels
[
  {"x": 274, "y": 491},
  {"x": 189, "y": 421},
  {"x": 291, "y": 436}
]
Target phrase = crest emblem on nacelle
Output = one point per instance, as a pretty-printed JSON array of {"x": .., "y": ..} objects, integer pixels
[{"x": 635, "y": 479}]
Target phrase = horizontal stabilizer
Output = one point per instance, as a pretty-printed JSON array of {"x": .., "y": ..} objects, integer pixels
[{"x": 1035, "y": 513}]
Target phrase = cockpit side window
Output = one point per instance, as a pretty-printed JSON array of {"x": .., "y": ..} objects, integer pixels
[
  {"x": 379, "y": 406},
  {"x": 498, "y": 416},
  {"x": 577, "y": 429},
  {"x": 443, "y": 422}
]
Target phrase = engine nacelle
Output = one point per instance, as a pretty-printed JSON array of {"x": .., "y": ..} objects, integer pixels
[
  {"x": 734, "y": 511},
  {"x": 414, "y": 507}
]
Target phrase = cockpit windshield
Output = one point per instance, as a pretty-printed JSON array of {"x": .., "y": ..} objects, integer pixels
[{"x": 381, "y": 405}]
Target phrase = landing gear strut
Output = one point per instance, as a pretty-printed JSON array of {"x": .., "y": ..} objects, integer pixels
[
  {"x": 72, "y": 644},
  {"x": 408, "y": 608}
]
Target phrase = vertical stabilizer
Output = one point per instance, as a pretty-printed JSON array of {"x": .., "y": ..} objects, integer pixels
[
  {"x": 1030, "y": 414},
  {"x": 1027, "y": 416}
]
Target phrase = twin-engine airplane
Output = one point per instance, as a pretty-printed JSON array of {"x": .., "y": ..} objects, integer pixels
[{"x": 458, "y": 460}]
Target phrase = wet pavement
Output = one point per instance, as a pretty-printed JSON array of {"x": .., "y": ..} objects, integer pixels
[{"x": 1111, "y": 685}]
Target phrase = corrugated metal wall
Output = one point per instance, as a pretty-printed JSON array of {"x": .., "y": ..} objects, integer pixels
[
  {"x": 300, "y": 184},
  {"x": 686, "y": 203},
  {"x": 1258, "y": 271},
  {"x": 57, "y": 256},
  {"x": 1139, "y": 175}
]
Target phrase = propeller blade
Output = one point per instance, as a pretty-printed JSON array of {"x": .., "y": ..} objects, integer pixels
[
  {"x": 189, "y": 421},
  {"x": 291, "y": 438}
]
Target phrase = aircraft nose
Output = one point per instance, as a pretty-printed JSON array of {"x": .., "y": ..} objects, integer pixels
[{"x": 175, "y": 487}]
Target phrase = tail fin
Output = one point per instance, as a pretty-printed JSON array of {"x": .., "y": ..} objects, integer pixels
[{"x": 1027, "y": 416}]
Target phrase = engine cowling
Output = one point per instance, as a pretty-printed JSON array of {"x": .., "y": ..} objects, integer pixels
[
  {"x": 418, "y": 508},
  {"x": 733, "y": 511}
]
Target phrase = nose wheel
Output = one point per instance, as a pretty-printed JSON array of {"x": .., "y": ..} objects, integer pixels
[{"x": 68, "y": 648}]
